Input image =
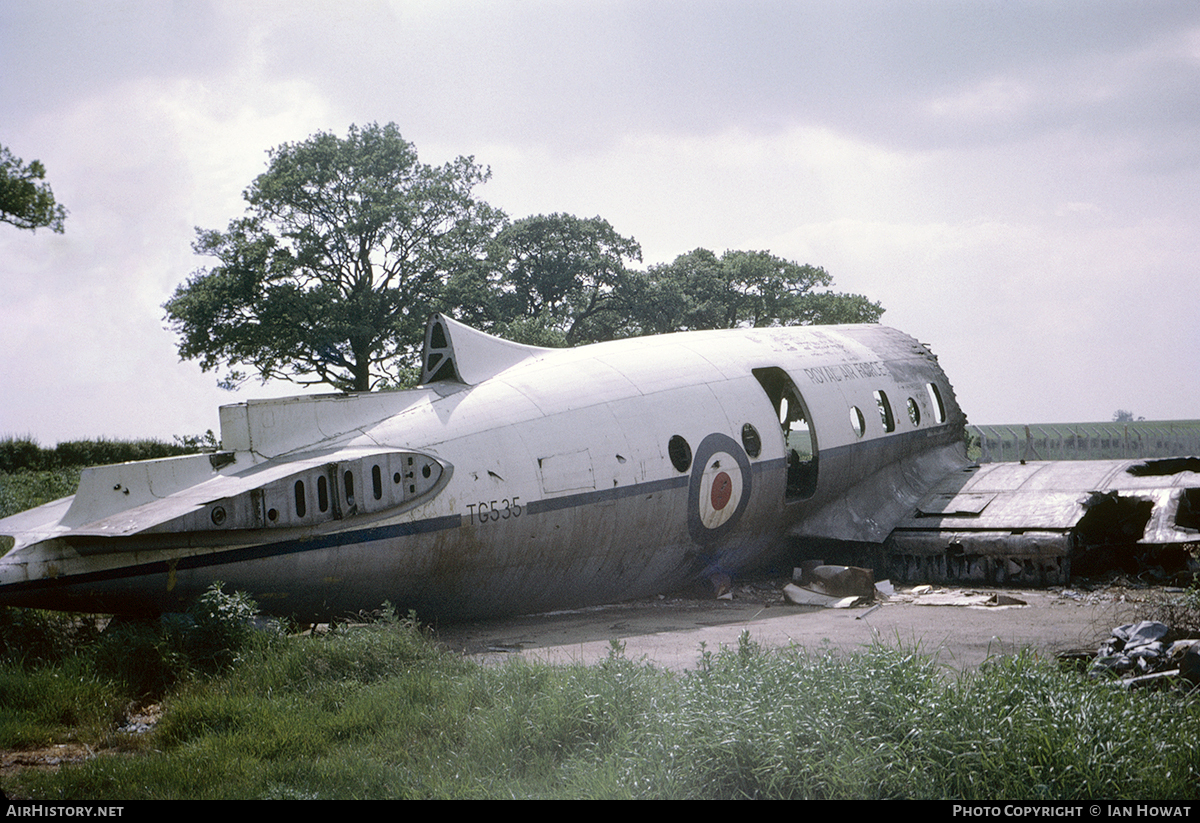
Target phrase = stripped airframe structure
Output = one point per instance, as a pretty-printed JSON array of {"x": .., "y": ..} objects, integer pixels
[{"x": 520, "y": 479}]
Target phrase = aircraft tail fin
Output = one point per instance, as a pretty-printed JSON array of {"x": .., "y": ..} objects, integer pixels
[{"x": 457, "y": 352}]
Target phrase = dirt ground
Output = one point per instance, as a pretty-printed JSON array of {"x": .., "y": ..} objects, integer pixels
[{"x": 670, "y": 632}]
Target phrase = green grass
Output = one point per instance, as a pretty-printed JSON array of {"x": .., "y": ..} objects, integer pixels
[
  {"x": 24, "y": 489},
  {"x": 57, "y": 703},
  {"x": 378, "y": 711}
]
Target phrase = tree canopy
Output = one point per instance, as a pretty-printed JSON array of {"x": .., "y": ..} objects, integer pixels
[
  {"x": 551, "y": 280},
  {"x": 559, "y": 280},
  {"x": 348, "y": 244},
  {"x": 342, "y": 255},
  {"x": 699, "y": 290},
  {"x": 25, "y": 202}
]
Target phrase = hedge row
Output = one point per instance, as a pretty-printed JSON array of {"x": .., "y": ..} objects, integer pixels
[{"x": 18, "y": 454}]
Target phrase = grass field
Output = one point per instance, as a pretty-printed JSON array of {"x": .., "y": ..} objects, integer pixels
[{"x": 377, "y": 711}]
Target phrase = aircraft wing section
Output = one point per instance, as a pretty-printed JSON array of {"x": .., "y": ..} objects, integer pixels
[
  {"x": 1039, "y": 522},
  {"x": 868, "y": 511}
]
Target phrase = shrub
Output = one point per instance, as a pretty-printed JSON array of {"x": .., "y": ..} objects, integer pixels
[
  {"x": 33, "y": 637},
  {"x": 24, "y": 454},
  {"x": 220, "y": 626},
  {"x": 152, "y": 657}
]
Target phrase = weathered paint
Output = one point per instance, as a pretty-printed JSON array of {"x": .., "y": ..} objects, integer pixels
[{"x": 553, "y": 478}]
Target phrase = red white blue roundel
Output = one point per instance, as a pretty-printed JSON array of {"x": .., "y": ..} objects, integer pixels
[{"x": 719, "y": 488}]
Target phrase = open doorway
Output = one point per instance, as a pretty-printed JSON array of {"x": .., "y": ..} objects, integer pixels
[{"x": 799, "y": 439}]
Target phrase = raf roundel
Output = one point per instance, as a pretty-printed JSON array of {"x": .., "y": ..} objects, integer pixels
[{"x": 719, "y": 488}]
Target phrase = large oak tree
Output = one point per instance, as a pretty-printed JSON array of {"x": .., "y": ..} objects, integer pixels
[
  {"x": 700, "y": 290},
  {"x": 551, "y": 280},
  {"x": 342, "y": 254}
]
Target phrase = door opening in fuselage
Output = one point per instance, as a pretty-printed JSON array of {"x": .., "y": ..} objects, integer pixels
[{"x": 799, "y": 439}]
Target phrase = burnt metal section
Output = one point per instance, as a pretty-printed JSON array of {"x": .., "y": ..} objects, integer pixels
[
  {"x": 1040, "y": 523},
  {"x": 1001, "y": 558},
  {"x": 1165, "y": 467}
]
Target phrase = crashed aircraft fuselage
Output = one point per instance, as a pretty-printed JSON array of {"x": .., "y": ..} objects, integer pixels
[{"x": 516, "y": 479}]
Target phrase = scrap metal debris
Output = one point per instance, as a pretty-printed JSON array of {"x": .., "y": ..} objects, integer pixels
[
  {"x": 963, "y": 597},
  {"x": 836, "y": 587},
  {"x": 1045, "y": 523},
  {"x": 1138, "y": 654},
  {"x": 807, "y": 597},
  {"x": 841, "y": 587}
]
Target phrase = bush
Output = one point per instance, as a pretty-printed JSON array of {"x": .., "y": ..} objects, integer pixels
[
  {"x": 27, "y": 489},
  {"x": 24, "y": 454},
  {"x": 31, "y": 637},
  {"x": 221, "y": 624},
  {"x": 152, "y": 657}
]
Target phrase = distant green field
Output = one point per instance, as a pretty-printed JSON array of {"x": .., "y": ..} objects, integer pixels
[{"x": 1084, "y": 441}]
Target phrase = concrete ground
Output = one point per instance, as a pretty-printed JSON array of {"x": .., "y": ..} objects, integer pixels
[{"x": 670, "y": 632}]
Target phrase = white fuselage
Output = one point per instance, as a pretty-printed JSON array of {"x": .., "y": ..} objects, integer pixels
[{"x": 563, "y": 478}]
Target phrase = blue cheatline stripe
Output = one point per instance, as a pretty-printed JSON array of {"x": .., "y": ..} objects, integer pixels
[
  {"x": 573, "y": 501},
  {"x": 370, "y": 535},
  {"x": 570, "y": 501},
  {"x": 247, "y": 553}
]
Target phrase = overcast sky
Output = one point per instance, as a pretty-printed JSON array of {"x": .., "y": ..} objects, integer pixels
[{"x": 1017, "y": 183}]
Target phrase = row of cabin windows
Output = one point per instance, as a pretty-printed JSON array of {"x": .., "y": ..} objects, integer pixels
[
  {"x": 859, "y": 423},
  {"x": 793, "y": 419},
  {"x": 415, "y": 474},
  {"x": 322, "y": 496},
  {"x": 800, "y": 440}
]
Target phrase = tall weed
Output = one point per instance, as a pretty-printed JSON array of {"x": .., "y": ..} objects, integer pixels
[{"x": 150, "y": 658}]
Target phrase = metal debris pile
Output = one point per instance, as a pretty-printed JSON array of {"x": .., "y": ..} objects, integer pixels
[
  {"x": 1138, "y": 655},
  {"x": 837, "y": 587},
  {"x": 843, "y": 587}
]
